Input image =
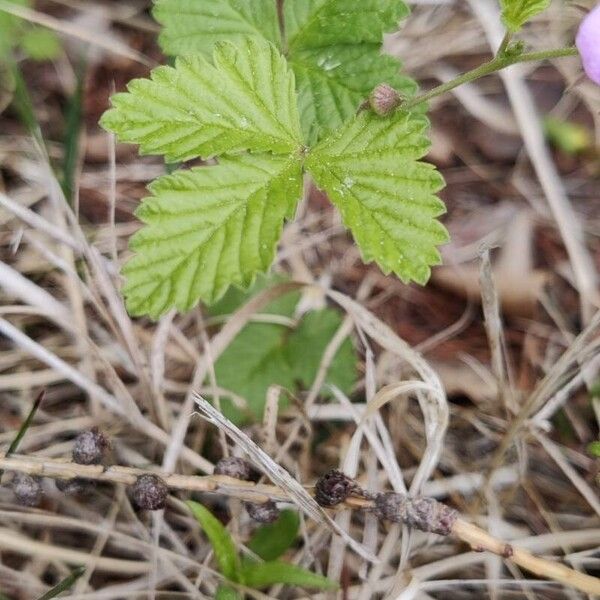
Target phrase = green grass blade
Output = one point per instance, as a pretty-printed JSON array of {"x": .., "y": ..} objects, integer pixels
[
  {"x": 261, "y": 575},
  {"x": 25, "y": 426},
  {"x": 220, "y": 540},
  {"x": 24, "y": 106},
  {"x": 72, "y": 135},
  {"x": 64, "y": 585}
]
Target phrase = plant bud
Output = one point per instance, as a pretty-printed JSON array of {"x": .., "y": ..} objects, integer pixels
[
  {"x": 266, "y": 512},
  {"x": 235, "y": 467},
  {"x": 27, "y": 489},
  {"x": 150, "y": 492},
  {"x": 425, "y": 514},
  {"x": 90, "y": 447},
  {"x": 384, "y": 99},
  {"x": 334, "y": 487}
]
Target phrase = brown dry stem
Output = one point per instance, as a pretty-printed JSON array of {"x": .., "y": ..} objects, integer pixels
[{"x": 476, "y": 537}]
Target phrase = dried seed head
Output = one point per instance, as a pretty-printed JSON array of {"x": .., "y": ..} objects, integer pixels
[
  {"x": 263, "y": 513},
  {"x": 150, "y": 492},
  {"x": 90, "y": 447},
  {"x": 232, "y": 466},
  {"x": 77, "y": 486},
  {"x": 421, "y": 513},
  {"x": 27, "y": 489},
  {"x": 384, "y": 99},
  {"x": 334, "y": 487}
]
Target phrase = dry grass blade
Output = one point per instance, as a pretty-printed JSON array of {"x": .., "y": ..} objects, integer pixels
[
  {"x": 418, "y": 415},
  {"x": 278, "y": 475},
  {"x": 434, "y": 404}
]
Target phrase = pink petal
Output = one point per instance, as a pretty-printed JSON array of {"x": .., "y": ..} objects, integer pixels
[{"x": 588, "y": 44}]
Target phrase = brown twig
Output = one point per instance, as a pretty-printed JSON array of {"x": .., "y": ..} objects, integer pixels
[{"x": 409, "y": 509}]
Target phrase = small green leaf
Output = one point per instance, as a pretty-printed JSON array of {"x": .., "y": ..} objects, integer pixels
[
  {"x": 245, "y": 101},
  {"x": 594, "y": 449},
  {"x": 193, "y": 26},
  {"x": 265, "y": 354},
  {"x": 227, "y": 593},
  {"x": 220, "y": 540},
  {"x": 40, "y": 43},
  {"x": 235, "y": 297},
  {"x": 515, "y": 13},
  {"x": 371, "y": 171},
  {"x": 315, "y": 331},
  {"x": 272, "y": 540},
  {"x": 208, "y": 228},
  {"x": 250, "y": 364},
  {"x": 261, "y": 575}
]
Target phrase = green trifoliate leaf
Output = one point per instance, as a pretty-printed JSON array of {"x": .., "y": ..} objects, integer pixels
[
  {"x": 515, "y": 13},
  {"x": 208, "y": 228},
  {"x": 333, "y": 46},
  {"x": 195, "y": 26},
  {"x": 371, "y": 171},
  {"x": 244, "y": 101},
  {"x": 335, "y": 51}
]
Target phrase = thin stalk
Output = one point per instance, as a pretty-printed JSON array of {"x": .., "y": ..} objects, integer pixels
[
  {"x": 496, "y": 64},
  {"x": 504, "y": 44},
  {"x": 478, "y": 539}
]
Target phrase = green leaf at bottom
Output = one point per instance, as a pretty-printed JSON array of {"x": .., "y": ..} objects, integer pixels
[
  {"x": 227, "y": 593},
  {"x": 261, "y": 575},
  {"x": 265, "y": 354},
  {"x": 272, "y": 540},
  {"x": 221, "y": 541}
]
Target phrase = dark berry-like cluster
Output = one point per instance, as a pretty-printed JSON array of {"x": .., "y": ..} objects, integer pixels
[
  {"x": 334, "y": 487},
  {"x": 150, "y": 492},
  {"x": 232, "y": 466}
]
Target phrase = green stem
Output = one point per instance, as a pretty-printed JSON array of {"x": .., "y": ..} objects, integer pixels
[
  {"x": 504, "y": 44},
  {"x": 498, "y": 63}
]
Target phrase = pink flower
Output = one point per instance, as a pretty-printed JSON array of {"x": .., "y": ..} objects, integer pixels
[{"x": 588, "y": 44}]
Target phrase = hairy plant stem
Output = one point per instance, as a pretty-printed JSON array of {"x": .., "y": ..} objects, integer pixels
[
  {"x": 504, "y": 44},
  {"x": 478, "y": 539},
  {"x": 499, "y": 62}
]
